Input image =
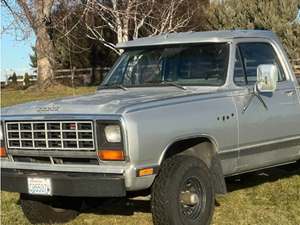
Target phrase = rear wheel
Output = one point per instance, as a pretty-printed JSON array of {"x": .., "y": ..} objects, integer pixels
[
  {"x": 183, "y": 193},
  {"x": 49, "y": 210}
]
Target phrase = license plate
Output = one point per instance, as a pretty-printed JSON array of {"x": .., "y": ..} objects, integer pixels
[{"x": 39, "y": 186}]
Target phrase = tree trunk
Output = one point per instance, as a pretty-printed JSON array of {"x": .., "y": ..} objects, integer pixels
[
  {"x": 44, "y": 43},
  {"x": 38, "y": 15},
  {"x": 44, "y": 50},
  {"x": 45, "y": 59}
]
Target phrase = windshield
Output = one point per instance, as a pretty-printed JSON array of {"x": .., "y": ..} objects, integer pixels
[{"x": 192, "y": 65}]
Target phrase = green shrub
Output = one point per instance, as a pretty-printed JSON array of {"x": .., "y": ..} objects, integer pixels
[
  {"x": 276, "y": 15},
  {"x": 14, "y": 79},
  {"x": 26, "y": 80}
]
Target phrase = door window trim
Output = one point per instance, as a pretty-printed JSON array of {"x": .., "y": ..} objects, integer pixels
[{"x": 277, "y": 50}]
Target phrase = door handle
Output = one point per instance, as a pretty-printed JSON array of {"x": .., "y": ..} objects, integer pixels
[{"x": 290, "y": 93}]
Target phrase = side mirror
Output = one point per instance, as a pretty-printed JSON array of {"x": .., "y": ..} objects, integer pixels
[{"x": 267, "y": 77}]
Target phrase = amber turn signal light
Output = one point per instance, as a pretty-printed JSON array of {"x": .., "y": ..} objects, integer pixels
[
  {"x": 111, "y": 155},
  {"x": 145, "y": 172},
  {"x": 2, "y": 152}
]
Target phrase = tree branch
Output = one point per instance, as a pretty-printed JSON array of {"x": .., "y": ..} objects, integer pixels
[{"x": 24, "y": 6}]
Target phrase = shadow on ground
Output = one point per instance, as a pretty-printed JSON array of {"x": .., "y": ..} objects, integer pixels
[
  {"x": 142, "y": 204},
  {"x": 123, "y": 207},
  {"x": 264, "y": 176}
]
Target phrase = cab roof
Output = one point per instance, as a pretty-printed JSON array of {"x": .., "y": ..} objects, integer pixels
[{"x": 196, "y": 37}]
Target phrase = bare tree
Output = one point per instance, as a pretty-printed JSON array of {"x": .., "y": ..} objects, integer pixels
[
  {"x": 106, "y": 21},
  {"x": 36, "y": 14},
  {"x": 172, "y": 16},
  {"x": 132, "y": 18}
]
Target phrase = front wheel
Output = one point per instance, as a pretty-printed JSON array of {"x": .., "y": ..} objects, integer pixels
[
  {"x": 183, "y": 193},
  {"x": 49, "y": 210}
]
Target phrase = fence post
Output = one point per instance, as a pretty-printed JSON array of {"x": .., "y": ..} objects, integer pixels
[
  {"x": 73, "y": 75},
  {"x": 296, "y": 66},
  {"x": 102, "y": 76}
]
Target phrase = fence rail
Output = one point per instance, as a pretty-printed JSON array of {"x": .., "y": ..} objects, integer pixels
[
  {"x": 87, "y": 75},
  {"x": 82, "y": 75}
]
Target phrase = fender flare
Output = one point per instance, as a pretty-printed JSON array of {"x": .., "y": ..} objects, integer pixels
[{"x": 204, "y": 148}]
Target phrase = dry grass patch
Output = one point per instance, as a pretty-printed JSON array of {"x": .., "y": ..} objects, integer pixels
[
  {"x": 271, "y": 197},
  {"x": 13, "y": 97}
]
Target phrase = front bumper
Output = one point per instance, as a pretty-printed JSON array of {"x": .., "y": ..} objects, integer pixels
[
  {"x": 126, "y": 172},
  {"x": 67, "y": 184}
]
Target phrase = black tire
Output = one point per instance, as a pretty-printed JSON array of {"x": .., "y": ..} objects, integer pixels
[
  {"x": 176, "y": 173},
  {"x": 49, "y": 210}
]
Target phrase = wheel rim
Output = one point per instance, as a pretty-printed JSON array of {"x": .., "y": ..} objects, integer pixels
[{"x": 192, "y": 198}]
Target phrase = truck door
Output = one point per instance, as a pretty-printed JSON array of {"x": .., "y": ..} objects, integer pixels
[{"x": 269, "y": 127}]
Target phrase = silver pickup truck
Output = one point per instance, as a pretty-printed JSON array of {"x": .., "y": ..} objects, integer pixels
[{"x": 176, "y": 115}]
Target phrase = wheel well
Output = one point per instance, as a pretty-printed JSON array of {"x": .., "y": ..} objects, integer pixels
[
  {"x": 186, "y": 146},
  {"x": 204, "y": 149}
]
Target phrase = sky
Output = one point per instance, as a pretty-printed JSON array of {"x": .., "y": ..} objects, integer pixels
[
  {"x": 298, "y": 16},
  {"x": 14, "y": 53}
]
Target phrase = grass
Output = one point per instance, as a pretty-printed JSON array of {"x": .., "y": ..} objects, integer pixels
[
  {"x": 269, "y": 197},
  {"x": 13, "y": 97}
]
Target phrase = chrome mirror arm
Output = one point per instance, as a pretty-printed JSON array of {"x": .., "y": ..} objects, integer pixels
[
  {"x": 262, "y": 101},
  {"x": 248, "y": 103},
  {"x": 254, "y": 93}
]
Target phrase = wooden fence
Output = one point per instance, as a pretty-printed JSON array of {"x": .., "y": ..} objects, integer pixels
[
  {"x": 296, "y": 64},
  {"x": 85, "y": 76},
  {"x": 82, "y": 76}
]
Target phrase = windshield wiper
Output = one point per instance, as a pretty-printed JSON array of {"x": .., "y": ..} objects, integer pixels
[
  {"x": 173, "y": 84},
  {"x": 120, "y": 86}
]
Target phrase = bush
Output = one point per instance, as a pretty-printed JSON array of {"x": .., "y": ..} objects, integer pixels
[
  {"x": 275, "y": 15},
  {"x": 26, "y": 80},
  {"x": 14, "y": 79}
]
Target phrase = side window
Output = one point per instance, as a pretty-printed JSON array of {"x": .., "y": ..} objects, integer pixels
[{"x": 249, "y": 56}]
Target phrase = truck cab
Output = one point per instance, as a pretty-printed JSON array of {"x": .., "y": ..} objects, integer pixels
[{"x": 176, "y": 115}]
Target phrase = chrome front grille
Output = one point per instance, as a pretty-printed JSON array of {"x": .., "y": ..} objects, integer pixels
[{"x": 50, "y": 135}]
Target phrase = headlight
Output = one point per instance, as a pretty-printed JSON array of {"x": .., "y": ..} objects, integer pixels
[
  {"x": 113, "y": 133},
  {"x": 110, "y": 141}
]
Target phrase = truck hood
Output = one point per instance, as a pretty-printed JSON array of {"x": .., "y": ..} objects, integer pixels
[{"x": 112, "y": 101}]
